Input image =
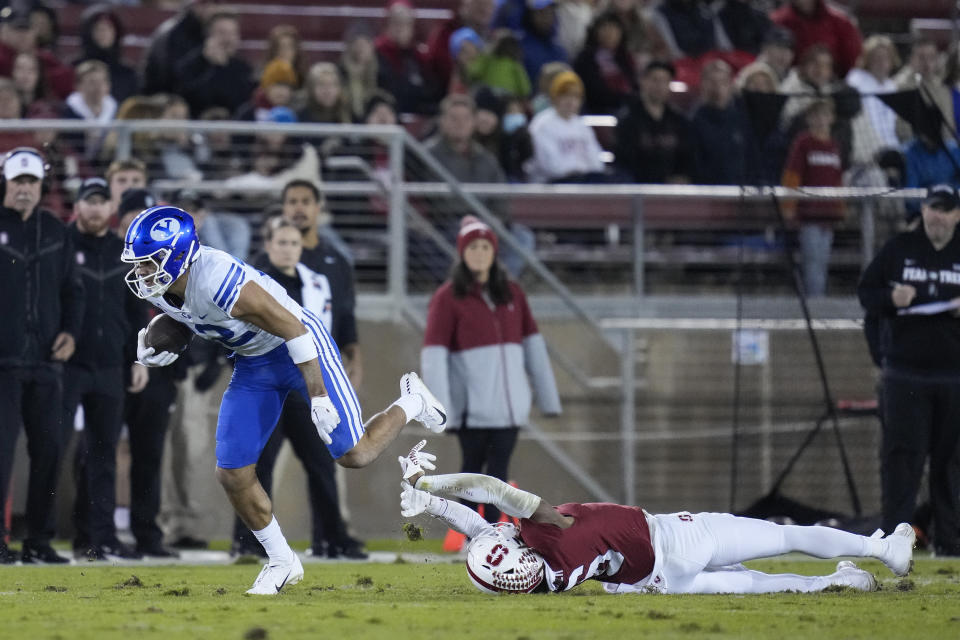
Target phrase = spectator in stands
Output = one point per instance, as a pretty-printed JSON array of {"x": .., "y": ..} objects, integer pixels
[
  {"x": 815, "y": 22},
  {"x": 18, "y": 35},
  {"x": 99, "y": 371},
  {"x": 516, "y": 146},
  {"x": 176, "y": 151},
  {"x": 565, "y": 149},
  {"x": 40, "y": 323},
  {"x": 777, "y": 51},
  {"x": 541, "y": 100},
  {"x": 690, "y": 28},
  {"x": 174, "y": 40},
  {"x": 476, "y": 14},
  {"x": 758, "y": 77},
  {"x": 643, "y": 39},
  {"x": 283, "y": 43},
  {"x": 573, "y": 20},
  {"x": 277, "y": 84},
  {"x": 228, "y": 232},
  {"x": 745, "y": 25},
  {"x": 479, "y": 334},
  {"x": 326, "y": 101},
  {"x": 123, "y": 175},
  {"x": 27, "y": 77},
  {"x": 466, "y": 46},
  {"x": 214, "y": 75},
  {"x": 814, "y": 161},
  {"x": 403, "y": 64},
  {"x": 358, "y": 68},
  {"x": 721, "y": 129},
  {"x": 930, "y": 160},
  {"x": 875, "y": 127},
  {"x": 921, "y": 415},
  {"x": 217, "y": 155},
  {"x": 511, "y": 146},
  {"x": 924, "y": 71},
  {"x": 91, "y": 102},
  {"x": 812, "y": 80},
  {"x": 501, "y": 67},
  {"x": 11, "y": 108},
  {"x": 655, "y": 142},
  {"x": 539, "y": 37},
  {"x": 101, "y": 37},
  {"x": 606, "y": 66}
]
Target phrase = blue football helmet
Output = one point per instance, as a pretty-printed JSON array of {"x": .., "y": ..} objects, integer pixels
[{"x": 161, "y": 243}]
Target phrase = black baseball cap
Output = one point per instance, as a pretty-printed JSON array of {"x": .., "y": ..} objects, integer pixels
[
  {"x": 943, "y": 197},
  {"x": 135, "y": 200},
  {"x": 93, "y": 187}
]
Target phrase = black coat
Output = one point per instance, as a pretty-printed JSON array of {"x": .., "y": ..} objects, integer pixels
[
  {"x": 41, "y": 291},
  {"x": 113, "y": 314},
  {"x": 173, "y": 40},
  {"x": 204, "y": 85}
]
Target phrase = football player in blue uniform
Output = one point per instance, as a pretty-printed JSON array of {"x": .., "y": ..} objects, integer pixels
[{"x": 279, "y": 347}]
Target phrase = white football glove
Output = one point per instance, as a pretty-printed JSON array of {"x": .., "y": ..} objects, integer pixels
[
  {"x": 417, "y": 461},
  {"x": 413, "y": 502},
  {"x": 147, "y": 356},
  {"x": 325, "y": 417}
]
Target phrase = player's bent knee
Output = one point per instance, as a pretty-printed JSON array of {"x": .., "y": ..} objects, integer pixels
[{"x": 236, "y": 479}]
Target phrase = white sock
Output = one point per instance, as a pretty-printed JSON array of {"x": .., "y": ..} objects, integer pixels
[
  {"x": 412, "y": 405},
  {"x": 274, "y": 543}
]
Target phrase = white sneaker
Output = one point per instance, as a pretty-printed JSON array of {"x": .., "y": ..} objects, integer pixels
[
  {"x": 434, "y": 415},
  {"x": 274, "y": 577},
  {"x": 900, "y": 549},
  {"x": 850, "y": 575}
]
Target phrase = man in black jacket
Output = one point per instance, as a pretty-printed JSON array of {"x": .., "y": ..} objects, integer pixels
[
  {"x": 174, "y": 39},
  {"x": 94, "y": 376},
  {"x": 914, "y": 286},
  {"x": 43, "y": 312}
]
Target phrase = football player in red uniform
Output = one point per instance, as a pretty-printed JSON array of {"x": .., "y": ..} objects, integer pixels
[{"x": 556, "y": 548}]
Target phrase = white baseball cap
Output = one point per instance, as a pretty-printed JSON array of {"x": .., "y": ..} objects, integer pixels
[{"x": 23, "y": 163}]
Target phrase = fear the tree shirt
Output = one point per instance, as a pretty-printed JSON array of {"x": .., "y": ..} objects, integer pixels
[{"x": 916, "y": 342}]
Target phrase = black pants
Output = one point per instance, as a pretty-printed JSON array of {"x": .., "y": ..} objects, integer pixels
[
  {"x": 100, "y": 392},
  {"x": 921, "y": 420},
  {"x": 147, "y": 417},
  {"x": 32, "y": 397},
  {"x": 295, "y": 423},
  {"x": 488, "y": 451}
]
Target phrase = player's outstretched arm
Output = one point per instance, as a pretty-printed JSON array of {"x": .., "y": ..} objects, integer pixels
[
  {"x": 414, "y": 502},
  {"x": 256, "y": 306},
  {"x": 484, "y": 489}
]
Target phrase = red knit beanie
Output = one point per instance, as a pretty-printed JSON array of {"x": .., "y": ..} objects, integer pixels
[{"x": 472, "y": 228}]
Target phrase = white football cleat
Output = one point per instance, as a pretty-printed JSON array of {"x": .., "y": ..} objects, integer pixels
[
  {"x": 274, "y": 577},
  {"x": 899, "y": 557},
  {"x": 850, "y": 575},
  {"x": 434, "y": 415}
]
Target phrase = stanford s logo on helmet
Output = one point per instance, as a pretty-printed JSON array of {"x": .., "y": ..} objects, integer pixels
[
  {"x": 161, "y": 243},
  {"x": 501, "y": 562}
]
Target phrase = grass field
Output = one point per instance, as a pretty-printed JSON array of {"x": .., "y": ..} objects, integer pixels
[{"x": 435, "y": 600}]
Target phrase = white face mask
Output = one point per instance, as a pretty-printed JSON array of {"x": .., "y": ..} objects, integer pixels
[{"x": 513, "y": 121}]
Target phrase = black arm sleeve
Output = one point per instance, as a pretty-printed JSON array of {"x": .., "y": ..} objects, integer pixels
[
  {"x": 874, "y": 288},
  {"x": 72, "y": 299}
]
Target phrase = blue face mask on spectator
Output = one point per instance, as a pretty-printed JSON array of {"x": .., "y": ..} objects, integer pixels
[{"x": 513, "y": 121}]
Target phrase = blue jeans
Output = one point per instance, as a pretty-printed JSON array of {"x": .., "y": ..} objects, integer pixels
[{"x": 815, "y": 242}]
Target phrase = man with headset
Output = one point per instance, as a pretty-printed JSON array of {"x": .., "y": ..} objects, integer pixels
[{"x": 43, "y": 313}]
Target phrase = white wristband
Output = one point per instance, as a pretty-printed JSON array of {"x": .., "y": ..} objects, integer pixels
[{"x": 302, "y": 349}]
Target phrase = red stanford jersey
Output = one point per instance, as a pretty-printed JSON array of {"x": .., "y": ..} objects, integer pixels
[{"x": 607, "y": 542}]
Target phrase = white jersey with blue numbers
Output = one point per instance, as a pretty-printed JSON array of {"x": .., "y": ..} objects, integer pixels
[{"x": 213, "y": 286}]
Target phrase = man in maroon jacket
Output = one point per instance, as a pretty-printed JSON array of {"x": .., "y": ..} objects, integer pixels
[
  {"x": 628, "y": 549},
  {"x": 812, "y": 22}
]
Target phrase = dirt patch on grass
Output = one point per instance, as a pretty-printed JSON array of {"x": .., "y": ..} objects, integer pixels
[{"x": 133, "y": 582}]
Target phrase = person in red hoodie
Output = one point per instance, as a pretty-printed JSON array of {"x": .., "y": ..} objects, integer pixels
[
  {"x": 813, "y": 22},
  {"x": 480, "y": 344},
  {"x": 18, "y": 35}
]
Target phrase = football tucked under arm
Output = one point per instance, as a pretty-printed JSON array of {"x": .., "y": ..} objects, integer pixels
[{"x": 484, "y": 489}]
